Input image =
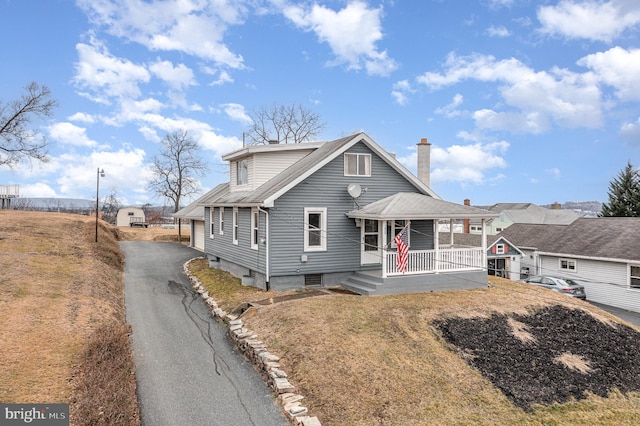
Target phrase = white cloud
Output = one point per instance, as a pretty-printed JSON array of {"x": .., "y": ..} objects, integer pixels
[
  {"x": 107, "y": 76},
  {"x": 464, "y": 164},
  {"x": 631, "y": 132},
  {"x": 451, "y": 110},
  {"x": 352, "y": 34},
  {"x": 123, "y": 168},
  {"x": 196, "y": 28},
  {"x": 500, "y": 31},
  {"x": 237, "y": 113},
  {"x": 592, "y": 20},
  {"x": 178, "y": 77},
  {"x": 400, "y": 92},
  {"x": 83, "y": 117},
  {"x": 569, "y": 99},
  {"x": 223, "y": 78},
  {"x": 70, "y": 134},
  {"x": 37, "y": 190},
  {"x": 619, "y": 68}
]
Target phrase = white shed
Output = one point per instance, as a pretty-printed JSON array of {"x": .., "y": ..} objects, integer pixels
[{"x": 131, "y": 216}]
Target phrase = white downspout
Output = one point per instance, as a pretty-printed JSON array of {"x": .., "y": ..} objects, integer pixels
[
  {"x": 384, "y": 249},
  {"x": 436, "y": 246},
  {"x": 484, "y": 244},
  {"x": 267, "y": 243}
]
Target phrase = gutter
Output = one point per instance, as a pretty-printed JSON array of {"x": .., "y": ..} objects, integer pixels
[{"x": 267, "y": 262}]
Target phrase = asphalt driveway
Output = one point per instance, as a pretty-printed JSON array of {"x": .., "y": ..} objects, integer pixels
[{"x": 188, "y": 372}]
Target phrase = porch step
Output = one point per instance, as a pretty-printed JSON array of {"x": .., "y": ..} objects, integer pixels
[
  {"x": 368, "y": 284},
  {"x": 362, "y": 283}
]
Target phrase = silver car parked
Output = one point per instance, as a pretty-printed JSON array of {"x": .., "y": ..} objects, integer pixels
[{"x": 563, "y": 285}]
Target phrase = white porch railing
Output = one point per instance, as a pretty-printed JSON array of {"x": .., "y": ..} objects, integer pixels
[{"x": 425, "y": 261}]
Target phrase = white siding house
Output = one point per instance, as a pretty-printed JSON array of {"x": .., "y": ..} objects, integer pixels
[{"x": 603, "y": 254}]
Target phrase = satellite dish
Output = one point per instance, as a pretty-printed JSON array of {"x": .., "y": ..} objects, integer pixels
[{"x": 354, "y": 190}]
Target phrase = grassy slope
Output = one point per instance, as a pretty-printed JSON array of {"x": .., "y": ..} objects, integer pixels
[
  {"x": 377, "y": 360},
  {"x": 63, "y": 336}
]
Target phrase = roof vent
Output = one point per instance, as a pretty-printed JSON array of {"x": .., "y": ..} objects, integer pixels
[{"x": 274, "y": 141}]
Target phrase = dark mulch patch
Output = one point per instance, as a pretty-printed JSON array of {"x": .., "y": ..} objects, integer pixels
[{"x": 528, "y": 371}]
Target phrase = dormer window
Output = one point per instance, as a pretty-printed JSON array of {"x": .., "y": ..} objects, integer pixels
[
  {"x": 357, "y": 164},
  {"x": 242, "y": 172}
]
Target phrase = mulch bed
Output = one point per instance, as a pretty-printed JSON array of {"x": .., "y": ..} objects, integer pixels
[{"x": 551, "y": 356}]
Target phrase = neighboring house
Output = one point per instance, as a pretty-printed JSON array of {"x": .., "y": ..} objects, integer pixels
[
  {"x": 7, "y": 193},
  {"x": 511, "y": 213},
  {"x": 503, "y": 257},
  {"x": 603, "y": 254},
  {"x": 131, "y": 216},
  {"x": 326, "y": 213}
]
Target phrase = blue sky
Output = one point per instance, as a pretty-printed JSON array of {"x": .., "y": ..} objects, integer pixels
[{"x": 523, "y": 101}]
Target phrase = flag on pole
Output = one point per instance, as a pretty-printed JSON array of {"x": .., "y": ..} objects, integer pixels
[{"x": 402, "y": 255}]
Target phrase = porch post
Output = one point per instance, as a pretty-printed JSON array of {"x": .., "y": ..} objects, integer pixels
[
  {"x": 484, "y": 244},
  {"x": 436, "y": 246},
  {"x": 384, "y": 249},
  {"x": 450, "y": 233}
]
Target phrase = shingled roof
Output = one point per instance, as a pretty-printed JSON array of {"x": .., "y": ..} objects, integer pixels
[
  {"x": 291, "y": 176},
  {"x": 604, "y": 237}
]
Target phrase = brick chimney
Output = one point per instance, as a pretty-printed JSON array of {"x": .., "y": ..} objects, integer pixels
[
  {"x": 424, "y": 161},
  {"x": 556, "y": 206},
  {"x": 466, "y": 223}
]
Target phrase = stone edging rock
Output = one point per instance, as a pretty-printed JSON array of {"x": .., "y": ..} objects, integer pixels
[{"x": 255, "y": 351}]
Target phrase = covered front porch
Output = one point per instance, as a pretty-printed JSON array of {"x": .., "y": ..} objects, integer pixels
[{"x": 431, "y": 264}]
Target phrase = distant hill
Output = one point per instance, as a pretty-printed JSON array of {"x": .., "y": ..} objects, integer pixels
[
  {"x": 585, "y": 208},
  {"x": 52, "y": 203}
]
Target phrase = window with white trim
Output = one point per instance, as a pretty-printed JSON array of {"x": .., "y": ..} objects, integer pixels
[
  {"x": 315, "y": 229},
  {"x": 500, "y": 249},
  {"x": 242, "y": 172},
  {"x": 255, "y": 227},
  {"x": 221, "y": 220},
  {"x": 357, "y": 164},
  {"x": 634, "y": 276},
  {"x": 235, "y": 225},
  {"x": 393, "y": 228},
  {"x": 211, "y": 221},
  {"x": 569, "y": 265}
]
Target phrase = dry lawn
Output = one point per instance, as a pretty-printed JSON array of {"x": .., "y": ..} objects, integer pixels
[
  {"x": 61, "y": 300},
  {"x": 153, "y": 233},
  {"x": 379, "y": 360}
]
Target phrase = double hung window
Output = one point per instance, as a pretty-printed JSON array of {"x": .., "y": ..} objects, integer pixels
[
  {"x": 315, "y": 229},
  {"x": 357, "y": 164}
]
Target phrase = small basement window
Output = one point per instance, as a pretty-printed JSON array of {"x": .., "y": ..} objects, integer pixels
[{"x": 313, "y": 280}]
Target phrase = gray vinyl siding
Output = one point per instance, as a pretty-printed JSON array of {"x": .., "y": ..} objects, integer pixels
[
  {"x": 222, "y": 245},
  {"x": 328, "y": 188},
  {"x": 604, "y": 282}
]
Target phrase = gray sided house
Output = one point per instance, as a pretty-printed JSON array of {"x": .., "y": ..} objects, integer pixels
[
  {"x": 326, "y": 214},
  {"x": 603, "y": 254}
]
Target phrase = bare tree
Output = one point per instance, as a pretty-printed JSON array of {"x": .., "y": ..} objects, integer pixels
[
  {"x": 110, "y": 207},
  {"x": 17, "y": 140},
  {"x": 175, "y": 169},
  {"x": 284, "y": 123}
]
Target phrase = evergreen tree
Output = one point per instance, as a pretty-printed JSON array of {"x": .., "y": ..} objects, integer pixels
[{"x": 624, "y": 194}]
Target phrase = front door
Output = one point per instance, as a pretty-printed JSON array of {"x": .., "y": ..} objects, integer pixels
[{"x": 371, "y": 250}]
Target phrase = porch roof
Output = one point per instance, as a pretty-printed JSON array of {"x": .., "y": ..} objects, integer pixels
[{"x": 410, "y": 205}]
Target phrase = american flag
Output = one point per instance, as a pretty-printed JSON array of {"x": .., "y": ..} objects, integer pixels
[{"x": 402, "y": 243}]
